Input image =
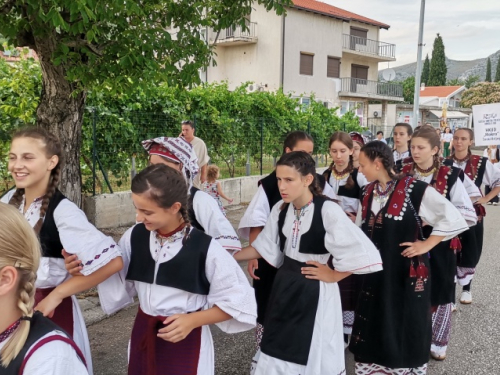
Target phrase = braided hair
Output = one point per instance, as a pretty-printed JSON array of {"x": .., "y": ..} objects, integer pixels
[
  {"x": 20, "y": 249},
  {"x": 379, "y": 150},
  {"x": 165, "y": 186},
  {"x": 52, "y": 147},
  {"x": 346, "y": 139}
]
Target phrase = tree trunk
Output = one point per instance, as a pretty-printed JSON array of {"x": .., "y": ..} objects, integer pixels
[{"x": 61, "y": 111}]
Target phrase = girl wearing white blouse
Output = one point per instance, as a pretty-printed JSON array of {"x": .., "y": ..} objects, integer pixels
[
  {"x": 303, "y": 332},
  {"x": 35, "y": 160}
]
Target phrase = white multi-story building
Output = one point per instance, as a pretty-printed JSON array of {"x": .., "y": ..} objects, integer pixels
[{"x": 315, "y": 49}]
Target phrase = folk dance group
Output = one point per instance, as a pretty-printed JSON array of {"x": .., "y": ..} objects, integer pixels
[{"x": 366, "y": 254}]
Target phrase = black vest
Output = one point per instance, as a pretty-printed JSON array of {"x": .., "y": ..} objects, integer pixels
[
  {"x": 49, "y": 234},
  {"x": 39, "y": 327},
  {"x": 480, "y": 172},
  {"x": 354, "y": 192},
  {"x": 313, "y": 241},
  {"x": 191, "y": 214},
  {"x": 185, "y": 271},
  {"x": 270, "y": 186}
]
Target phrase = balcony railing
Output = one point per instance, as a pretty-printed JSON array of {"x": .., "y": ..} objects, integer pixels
[
  {"x": 236, "y": 33},
  {"x": 368, "y": 46},
  {"x": 371, "y": 88}
]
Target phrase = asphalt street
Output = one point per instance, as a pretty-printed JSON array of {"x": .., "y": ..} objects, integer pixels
[{"x": 474, "y": 347}]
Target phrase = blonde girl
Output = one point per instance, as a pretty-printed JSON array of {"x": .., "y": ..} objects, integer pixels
[
  {"x": 29, "y": 343},
  {"x": 213, "y": 187}
]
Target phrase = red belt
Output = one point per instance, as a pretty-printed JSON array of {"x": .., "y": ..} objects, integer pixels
[
  {"x": 151, "y": 355},
  {"x": 63, "y": 314}
]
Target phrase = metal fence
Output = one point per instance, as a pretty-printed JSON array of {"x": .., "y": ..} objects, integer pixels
[{"x": 112, "y": 151}]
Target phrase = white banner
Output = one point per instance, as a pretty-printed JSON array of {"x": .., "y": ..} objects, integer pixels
[{"x": 486, "y": 119}]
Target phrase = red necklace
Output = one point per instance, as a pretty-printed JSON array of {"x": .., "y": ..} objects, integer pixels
[
  {"x": 459, "y": 161},
  {"x": 341, "y": 175},
  {"x": 6, "y": 334}
]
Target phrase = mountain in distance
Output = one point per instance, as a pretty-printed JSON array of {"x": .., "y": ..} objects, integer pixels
[{"x": 456, "y": 69}]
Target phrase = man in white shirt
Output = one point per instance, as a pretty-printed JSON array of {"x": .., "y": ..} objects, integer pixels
[
  {"x": 199, "y": 148},
  {"x": 380, "y": 137}
]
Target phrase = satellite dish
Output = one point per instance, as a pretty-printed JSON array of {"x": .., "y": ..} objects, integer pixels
[{"x": 389, "y": 74}]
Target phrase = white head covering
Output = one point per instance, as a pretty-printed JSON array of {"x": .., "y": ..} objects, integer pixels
[{"x": 180, "y": 149}]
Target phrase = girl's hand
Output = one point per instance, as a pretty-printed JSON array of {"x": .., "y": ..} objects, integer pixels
[
  {"x": 414, "y": 248},
  {"x": 177, "y": 327},
  {"x": 230, "y": 200},
  {"x": 482, "y": 200},
  {"x": 319, "y": 271},
  {"x": 351, "y": 216},
  {"x": 72, "y": 264},
  {"x": 48, "y": 305}
]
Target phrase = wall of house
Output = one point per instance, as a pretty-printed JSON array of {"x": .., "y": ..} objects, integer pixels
[
  {"x": 320, "y": 35},
  {"x": 259, "y": 62}
]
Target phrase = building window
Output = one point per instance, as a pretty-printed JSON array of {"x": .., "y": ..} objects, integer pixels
[
  {"x": 358, "y": 36},
  {"x": 333, "y": 67},
  {"x": 306, "y": 63}
]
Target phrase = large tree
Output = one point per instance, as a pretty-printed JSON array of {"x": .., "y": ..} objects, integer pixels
[
  {"x": 426, "y": 71},
  {"x": 488, "y": 70},
  {"x": 497, "y": 74},
  {"x": 114, "y": 43},
  {"x": 437, "y": 75}
]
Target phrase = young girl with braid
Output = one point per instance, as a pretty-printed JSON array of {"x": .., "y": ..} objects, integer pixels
[
  {"x": 450, "y": 182},
  {"x": 29, "y": 343},
  {"x": 183, "y": 278},
  {"x": 392, "y": 328},
  {"x": 303, "y": 328},
  {"x": 481, "y": 171},
  {"x": 35, "y": 160}
]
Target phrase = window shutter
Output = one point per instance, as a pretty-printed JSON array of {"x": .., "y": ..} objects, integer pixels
[
  {"x": 333, "y": 67},
  {"x": 359, "y": 32},
  {"x": 306, "y": 64}
]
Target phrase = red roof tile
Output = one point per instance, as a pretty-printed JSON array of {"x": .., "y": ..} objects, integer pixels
[
  {"x": 439, "y": 91},
  {"x": 330, "y": 10}
]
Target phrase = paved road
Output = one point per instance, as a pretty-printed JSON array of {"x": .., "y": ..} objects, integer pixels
[{"x": 474, "y": 347}]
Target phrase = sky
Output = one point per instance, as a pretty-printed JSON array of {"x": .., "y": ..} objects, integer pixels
[{"x": 470, "y": 28}]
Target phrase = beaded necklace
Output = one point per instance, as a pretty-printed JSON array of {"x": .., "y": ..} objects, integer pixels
[
  {"x": 381, "y": 196},
  {"x": 463, "y": 160},
  {"x": 299, "y": 213},
  {"x": 425, "y": 172},
  {"x": 6, "y": 334},
  {"x": 341, "y": 175}
]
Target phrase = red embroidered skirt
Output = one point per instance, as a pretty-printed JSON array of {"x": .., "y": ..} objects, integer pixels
[
  {"x": 63, "y": 314},
  {"x": 151, "y": 355}
]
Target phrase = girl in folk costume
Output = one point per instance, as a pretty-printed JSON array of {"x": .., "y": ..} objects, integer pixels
[
  {"x": 255, "y": 218},
  {"x": 303, "y": 328},
  {"x": 392, "y": 328},
  {"x": 358, "y": 141},
  {"x": 35, "y": 159},
  {"x": 493, "y": 155},
  {"x": 447, "y": 180},
  {"x": 402, "y": 135},
  {"x": 347, "y": 182},
  {"x": 29, "y": 343},
  {"x": 203, "y": 211},
  {"x": 481, "y": 171},
  {"x": 183, "y": 278}
]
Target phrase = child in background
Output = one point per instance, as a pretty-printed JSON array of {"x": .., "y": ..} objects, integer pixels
[{"x": 213, "y": 187}]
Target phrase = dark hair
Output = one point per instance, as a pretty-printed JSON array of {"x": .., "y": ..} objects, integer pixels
[
  {"x": 409, "y": 129},
  {"x": 471, "y": 137},
  {"x": 188, "y": 122},
  {"x": 165, "y": 186},
  {"x": 295, "y": 137},
  {"x": 52, "y": 147},
  {"x": 429, "y": 133},
  {"x": 346, "y": 139},
  {"x": 304, "y": 164},
  {"x": 380, "y": 132},
  {"x": 379, "y": 150}
]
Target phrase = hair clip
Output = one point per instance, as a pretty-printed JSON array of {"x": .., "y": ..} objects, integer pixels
[
  {"x": 27, "y": 318},
  {"x": 18, "y": 264}
]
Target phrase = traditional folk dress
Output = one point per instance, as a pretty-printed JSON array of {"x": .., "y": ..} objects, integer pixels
[
  {"x": 400, "y": 155},
  {"x": 171, "y": 276},
  {"x": 349, "y": 200},
  {"x": 47, "y": 350},
  {"x": 447, "y": 180},
  {"x": 211, "y": 189},
  {"x": 303, "y": 327},
  {"x": 255, "y": 216},
  {"x": 66, "y": 227},
  {"x": 392, "y": 328},
  {"x": 481, "y": 171},
  {"x": 493, "y": 155}
]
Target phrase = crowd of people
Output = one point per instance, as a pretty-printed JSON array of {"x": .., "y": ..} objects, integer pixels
[{"x": 365, "y": 255}]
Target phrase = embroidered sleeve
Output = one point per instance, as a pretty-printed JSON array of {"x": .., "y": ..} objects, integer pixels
[
  {"x": 491, "y": 175},
  {"x": 80, "y": 237}
]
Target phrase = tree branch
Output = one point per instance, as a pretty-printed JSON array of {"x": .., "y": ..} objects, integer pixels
[
  {"x": 7, "y": 6},
  {"x": 84, "y": 43}
]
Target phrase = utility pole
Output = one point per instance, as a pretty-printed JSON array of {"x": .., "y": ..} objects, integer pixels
[{"x": 418, "y": 73}]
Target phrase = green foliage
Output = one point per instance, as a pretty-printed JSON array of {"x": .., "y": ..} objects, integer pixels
[
  {"x": 471, "y": 80},
  {"x": 488, "y": 70},
  {"x": 482, "y": 93},
  {"x": 122, "y": 43},
  {"x": 409, "y": 89},
  {"x": 438, "y": 69},
  {"x": 497, "y": 73},
  {"x": 426, "y": 71}
]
